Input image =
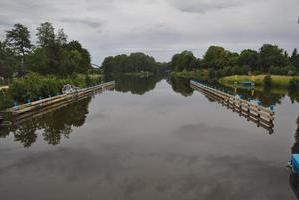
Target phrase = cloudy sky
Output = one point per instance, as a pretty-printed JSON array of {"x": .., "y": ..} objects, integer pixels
[{"x": 160, "y": 28}]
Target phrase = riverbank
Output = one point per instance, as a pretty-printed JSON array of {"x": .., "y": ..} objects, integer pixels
[
  {"x": 199, "y": 74},
  {"x": 139, "y": 74},
  {"x": 34, "y": 87},
  {"x": 277, "y": 80}
]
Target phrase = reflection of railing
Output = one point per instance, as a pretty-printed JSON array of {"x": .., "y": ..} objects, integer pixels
[
  {"x": 57, "y": 100},
  {"x": 258, "y": 114}
]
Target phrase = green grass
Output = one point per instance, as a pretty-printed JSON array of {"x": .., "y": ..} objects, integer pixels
[
  {"x": 92, "y": 76},
  {"x": 200, "y": 74},
  {"x": 279, "y": 81}
]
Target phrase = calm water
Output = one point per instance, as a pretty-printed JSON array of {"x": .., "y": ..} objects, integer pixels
[{"x": 150, "y": 138}]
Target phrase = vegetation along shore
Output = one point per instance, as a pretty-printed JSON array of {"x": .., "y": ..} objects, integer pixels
[{"x": 30, "y": 71}]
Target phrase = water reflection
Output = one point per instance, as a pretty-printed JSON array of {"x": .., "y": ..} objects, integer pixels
[
  {"x": 181, "y": 86},
  {"x": 249, "y": 113},
  {"x": 155, "y": 146},
  {"x": 265, "y": 96},
  {"x": 134, "y": 84},
  {"x": 54, "y": 125},
  {"x": 294, "y": 177}
]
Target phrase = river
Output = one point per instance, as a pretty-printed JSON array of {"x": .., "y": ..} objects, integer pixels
[{"x": 151, "y": 138}]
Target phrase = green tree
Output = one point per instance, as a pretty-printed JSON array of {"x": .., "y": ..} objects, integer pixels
[
  {"x": 217, "y": 57},
  {"x": 294, "y": 55},
  {"x": 61, "y": 37},
  {"x": 108, "y": 65},
  {"x": 45, "y": 34},
  {"x": 18, "y": 39},
  {"x": 249, "y": 58},
  {"x": 184, "y": 61},
  {"x": 8, "y": 61},
  {"x": 83, "y": 63},
  {"x": 134, "y": 63},
  {"x": 295, "y": 59},
  {"x": 271, "y": 55}
]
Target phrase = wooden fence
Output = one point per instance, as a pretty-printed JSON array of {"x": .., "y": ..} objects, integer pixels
[{"x": 258, "y": 114}]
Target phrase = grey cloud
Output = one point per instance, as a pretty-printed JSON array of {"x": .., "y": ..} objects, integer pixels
[
  {"x": 205, "y": 5},
  {"x": 160, "y": 27},
  {"x": 93, "y": 23}
]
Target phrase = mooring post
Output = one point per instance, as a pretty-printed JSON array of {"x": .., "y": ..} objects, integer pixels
[
  {"x": 258, "y": 116},
  {"x": 240, "y": 107},
  {"x": 248, "y": 111},
  {"x": 16, "y": 105}
]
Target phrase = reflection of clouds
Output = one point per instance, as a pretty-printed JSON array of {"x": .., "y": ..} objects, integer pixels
[
  {"x": 203, "y": 132},
  {"x": 160, "y": 175}
]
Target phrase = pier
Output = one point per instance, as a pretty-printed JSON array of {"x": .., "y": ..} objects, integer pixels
[
  {"x": 51, "y": 103},
  {"x": 258, "y": 114}
]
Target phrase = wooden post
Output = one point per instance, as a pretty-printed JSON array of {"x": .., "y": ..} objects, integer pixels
[
  {"x": 258, "y": 116},
  {"x": 240, "y": 108},
  {"x": 248, "y": 111}
]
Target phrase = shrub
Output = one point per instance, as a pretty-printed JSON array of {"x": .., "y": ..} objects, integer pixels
[
  {"x": 5, "y": 101},
  {"x": 294, "y": 83},
  {"x": 267, "y": 81},
  {"x": 34, "y": 86}
]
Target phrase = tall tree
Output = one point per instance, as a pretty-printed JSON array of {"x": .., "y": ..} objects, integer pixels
[
  {"x": 271, "y": 55},
  {"x": 249, "y": 58},
  {"x": 7, "y": 61},
  {"x": 294, "y": 54},
  {"x": 45, "y": 34},
  {"x": 184, "y": 61},
  {"x": 84, "y": 62},
  {"x": 217, "y": 57},
  {"x": 19, "y": 40},
  {"x": 61, "y": 37}
]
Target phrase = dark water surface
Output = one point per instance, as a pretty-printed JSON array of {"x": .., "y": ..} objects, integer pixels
[{"x": 150, "y": 138}]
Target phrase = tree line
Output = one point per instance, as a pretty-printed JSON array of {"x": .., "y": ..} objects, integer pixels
[
  {"x": 52, "y": 53},
  {"x": 221, "y": 62},
  {"x": 217, "y": 60},
  {"x": 133, "y": 63}
]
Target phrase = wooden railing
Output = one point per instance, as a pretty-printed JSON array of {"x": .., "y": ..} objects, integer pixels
[
  {"x": 258, "y": 114},
  {"x": 57, "y": 100}
]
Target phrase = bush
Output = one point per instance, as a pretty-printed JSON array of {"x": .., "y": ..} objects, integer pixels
[
  {"x": 267, "y": 81},
  {"x": 34, "y": 86},
  {"x": 294, "y": 83},
  {"x": 5, "y": 101}
]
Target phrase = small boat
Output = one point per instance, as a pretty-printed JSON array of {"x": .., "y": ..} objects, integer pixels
[
  {"x": 248, "y": 83},
  {"x": 295, "y": 163}
]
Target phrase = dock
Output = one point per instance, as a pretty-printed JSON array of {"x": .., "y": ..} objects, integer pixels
[
  {"x": 57, "y": 101},
  {"x": 258, "y": 114}
]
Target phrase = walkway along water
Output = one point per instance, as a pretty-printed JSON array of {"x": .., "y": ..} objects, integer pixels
[
  {"x": 26, "y": 111},
  {"x": 260, "y": 115}
]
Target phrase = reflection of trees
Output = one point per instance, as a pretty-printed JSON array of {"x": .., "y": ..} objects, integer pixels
[
  {"x": 266, "y": 96},
  {"x": 294, "y": 95},
  {"x": 181, "y": 85},
  {"x": 55, "y": 125},
  {"x": 26, "y": 134},
  {"x": 136, "y": 85},
  {"x": 4, "y": 132},
  {"x": 294, "y": 177}
]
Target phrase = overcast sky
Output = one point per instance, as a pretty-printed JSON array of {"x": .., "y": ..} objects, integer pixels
[{"x": 160, "y": 28}]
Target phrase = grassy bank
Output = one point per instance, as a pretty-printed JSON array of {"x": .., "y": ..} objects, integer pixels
[
  {"x": 200, "y": 74},
  {"x": 278, "y": 81}
]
